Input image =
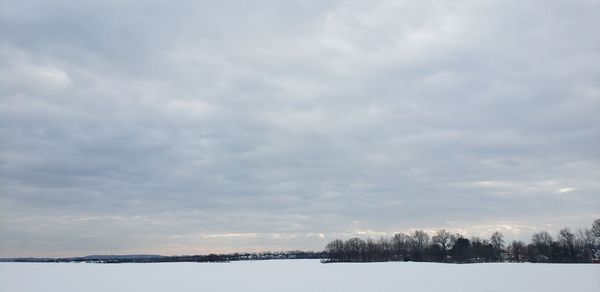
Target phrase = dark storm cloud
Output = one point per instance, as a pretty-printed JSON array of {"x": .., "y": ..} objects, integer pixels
[{"x": 152, "y": 127}]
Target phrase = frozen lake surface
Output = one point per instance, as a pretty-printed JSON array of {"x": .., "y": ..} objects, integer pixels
[{"x": 298, "y": 275}]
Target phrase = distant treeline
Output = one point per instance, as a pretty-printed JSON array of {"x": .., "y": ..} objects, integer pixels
[
  {"x": 213, "y": 258},
  {"x": 582, "y": 246},
  {"x": 567, "y": 246}
]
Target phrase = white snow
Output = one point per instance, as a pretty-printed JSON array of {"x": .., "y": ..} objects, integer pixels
[{"x": 298, "y": 275}]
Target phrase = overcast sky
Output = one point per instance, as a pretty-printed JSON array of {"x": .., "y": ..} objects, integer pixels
[{"x": 215, "y": 126}]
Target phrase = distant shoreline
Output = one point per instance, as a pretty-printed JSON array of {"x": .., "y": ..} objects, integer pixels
[{"x": 144, "y": 258}]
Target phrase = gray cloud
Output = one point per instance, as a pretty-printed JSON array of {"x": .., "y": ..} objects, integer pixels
[{"x": 153, "y": 127}]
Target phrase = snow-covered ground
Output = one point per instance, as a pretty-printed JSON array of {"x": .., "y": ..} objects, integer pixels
[{"x": 298, "y": 275}]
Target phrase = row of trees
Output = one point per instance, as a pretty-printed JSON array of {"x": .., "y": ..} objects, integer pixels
[{"x": 442, "y": 246}]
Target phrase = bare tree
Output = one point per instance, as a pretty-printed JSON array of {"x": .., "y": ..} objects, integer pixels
[
  {"x": 584, "y": 244},
  {"x": 335, "y": 250},
  {"x": 596, "y": 234},
  {"x": 443, "y": 238},
  {"x": 497, "y": 240},
  {"x": 596, "y": 228},
  {"x": 542, "y": 237},
  {"x": 453, "y": 239},
  {"x": 355, "y": 248},
  {"x": 419, "y": 241},
  {"x": 386, "y": 248},
  {"x": 566, "y": 239},
  {"x": 542, "y": 241},
  {"x": 518, "y": 251},
  {"x": 400, "y": 243}
]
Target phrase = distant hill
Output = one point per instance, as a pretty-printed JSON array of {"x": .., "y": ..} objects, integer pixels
[
  {"x": 149, "y": 258},
  {"x": 88, "y": 258},
  {"x": 122, "y": 257}
]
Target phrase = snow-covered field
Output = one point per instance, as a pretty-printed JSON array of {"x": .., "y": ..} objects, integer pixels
[{"x": 298, "y": 275}]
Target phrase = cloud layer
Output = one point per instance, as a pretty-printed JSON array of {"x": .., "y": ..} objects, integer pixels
[{"x": 195, "y": 127}]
